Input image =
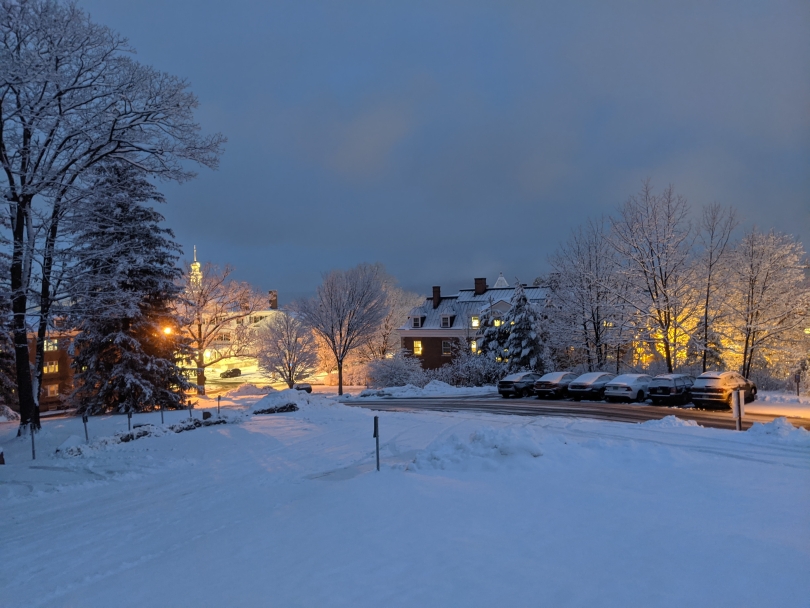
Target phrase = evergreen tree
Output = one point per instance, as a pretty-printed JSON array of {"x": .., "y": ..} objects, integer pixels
[
  {"x": 125, "y": 281},
  {"x": 492, "y": 335},
  {"x": 523, "y": 345}
]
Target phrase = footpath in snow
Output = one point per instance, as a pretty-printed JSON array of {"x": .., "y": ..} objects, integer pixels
[{"x": 469, "y": 509}]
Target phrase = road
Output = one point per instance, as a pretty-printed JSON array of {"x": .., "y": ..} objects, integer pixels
[{"x": 582, "y": 409}]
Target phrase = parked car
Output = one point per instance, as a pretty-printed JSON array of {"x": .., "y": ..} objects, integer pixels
[
  {"x": 628, "y": 387},
  {"x": 303, "y": 386},
  {"x": 231, "y": 373},
  {"x": 553, "y": 385},
  {"x": 518, "y": 385},
  {"x": 713, "y": 389},
  {"x": 671, "y": 389},
  {"x": 590, "y": 386}
]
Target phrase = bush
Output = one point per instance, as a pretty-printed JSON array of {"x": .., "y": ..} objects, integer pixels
[{"x": 399, "y": 370}]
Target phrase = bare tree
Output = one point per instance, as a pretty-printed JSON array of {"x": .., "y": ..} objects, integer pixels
[
  {"x": 769, "y": 296},
  {"x": 384, "y": 342},
  {"x": 71, "y": 97},
  {"x": 716, "y": 226},
  {"x": 586, "y": 302},
  {"x": 347, "y": 310},
  {"x": 286, "y": 347},
  {"x": 654, "y": 238},
  {"x": 214, "y": 308}
]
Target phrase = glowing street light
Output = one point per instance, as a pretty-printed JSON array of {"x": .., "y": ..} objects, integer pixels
[{"x": 167, "y": 330}]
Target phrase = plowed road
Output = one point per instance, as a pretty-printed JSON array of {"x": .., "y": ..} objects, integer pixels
[{"x": 574, "y": 409}]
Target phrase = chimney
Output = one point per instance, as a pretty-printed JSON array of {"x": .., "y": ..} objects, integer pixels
[
  {"x": 437, "y": 296},
  {"x": 480, "y": 286},
  {"x": 273, "y": 296}
]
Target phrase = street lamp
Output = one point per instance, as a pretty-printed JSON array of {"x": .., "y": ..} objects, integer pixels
[{"x": 167, "y": 330}]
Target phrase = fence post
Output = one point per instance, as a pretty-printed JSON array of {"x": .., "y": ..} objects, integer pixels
[{"x": 377, "y": 437}]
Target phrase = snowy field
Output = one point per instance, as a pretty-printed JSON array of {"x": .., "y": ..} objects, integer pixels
[{"x": 468, "y": 510}]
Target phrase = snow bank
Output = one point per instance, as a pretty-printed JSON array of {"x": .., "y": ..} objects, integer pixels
[
  {"x": 780, "y": 430},
  {"x": 434, "y": 388},
  {"x": 7, "y": 414},
  {"x": 780, "y": 397},
  {"x": 249, "y": 390},
  {"x": 670, "y": 422},
  {"x": 486, "y": 448}
]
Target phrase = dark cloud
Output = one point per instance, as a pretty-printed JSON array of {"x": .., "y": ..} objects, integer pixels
[{"x": 456, "y": 139}]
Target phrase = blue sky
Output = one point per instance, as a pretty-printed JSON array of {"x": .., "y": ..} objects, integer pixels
[{"x": 450, "y": 140}]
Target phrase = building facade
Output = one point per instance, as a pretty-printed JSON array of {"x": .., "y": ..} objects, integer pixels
[{"x": 435, "y": 331}]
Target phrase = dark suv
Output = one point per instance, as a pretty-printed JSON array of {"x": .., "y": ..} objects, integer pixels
[
  {"x": 231, "y": 373},
  {"x": 518, "y": 385},
  {"x": 671, "y": 389}
]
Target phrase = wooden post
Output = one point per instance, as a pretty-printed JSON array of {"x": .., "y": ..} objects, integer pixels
[
  {"x": 377, "y": 437},
  {"x": 33, "y": 447},
  {"x": 737, "y": 398},
  {"x": 161, "y": 413},
  {"x": 84, "y": 420}
]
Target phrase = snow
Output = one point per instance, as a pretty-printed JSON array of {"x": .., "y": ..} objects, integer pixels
[
  {"x": 669, "y": 422},
  {"x": 779, "y": 404},
  {"x": 248, "y": 390},
  {"x": 434, "y": 388},
  {"x": 7, "y": 414},
  {"x": 469, "y": 509}
]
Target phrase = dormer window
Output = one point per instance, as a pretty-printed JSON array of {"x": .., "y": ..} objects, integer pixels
[
  {"x": 447, "y": 321},
  {"x": 416, "y": 322},
  {"x": 475, "y": 322}
]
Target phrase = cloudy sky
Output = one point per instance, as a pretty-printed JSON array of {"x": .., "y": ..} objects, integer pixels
[{"x": 450, "y": 140}]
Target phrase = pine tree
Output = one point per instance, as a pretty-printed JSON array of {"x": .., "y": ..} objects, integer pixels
[
  {"x": 124, "y": 283},
  {"x": 523, "y": 345},
  {"x": 493, "y": 334}
]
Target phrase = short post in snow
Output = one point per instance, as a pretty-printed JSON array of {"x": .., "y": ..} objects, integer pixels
[
  {"x": 189, "y": 410},
  {"x": 218, "y": 399},
  {"x": 797, "y": 379},
  {"x": 84, "y": 421},
  {"x": 161, "y": 413},
  {"x": 129, "y": 421},
  {"x": 33, "y": 446},
  {"x": 738, "y": 407},
  {"x": 377, "y": 437}
]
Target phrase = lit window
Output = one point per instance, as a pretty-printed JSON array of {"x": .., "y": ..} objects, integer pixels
[
  {"x": 417, "y": 347},
  {"x": 51, "y": 345},
  {"x": 224, "y": 337},
  {"x": 417, "y": 322},
  {"x": 240, "y": 321},
  {"x": 447, "y": 348},
  {"x": 497, "y": 322},
  {"x": 445, "y": 322},
  {"x": 51, "y": 367},
  {"x": 52, "y": 390},
  {"x": 474, "y": 346},
  {"x": 475, "y": 322}
]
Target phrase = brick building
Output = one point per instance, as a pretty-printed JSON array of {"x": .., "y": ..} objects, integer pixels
[{"x": 435, "y": 329}]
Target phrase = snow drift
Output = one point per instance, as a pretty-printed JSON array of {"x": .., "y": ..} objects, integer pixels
[{"x": 485, "y": 448}]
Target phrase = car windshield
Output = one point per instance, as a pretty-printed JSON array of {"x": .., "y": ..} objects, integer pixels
[
  {"x": 625, "y": 379},
  {"x": 515, "y": 377},
  {"x": 591, "y": 377},
  {"x": 552, "y": 377},
  {"x": 708, "y": 382}
]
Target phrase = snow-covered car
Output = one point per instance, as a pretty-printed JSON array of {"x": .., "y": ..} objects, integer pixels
[
  {"x": 303, "y": 386},
  {"x": 553, "y": 385},
  {"x": 590, "y": 386},
  {"x": 713, "y": 389},
  {"x": 628, "y": 387},
  {"x": 671, "y": 389},
  {"x": 518, "y": 385}
]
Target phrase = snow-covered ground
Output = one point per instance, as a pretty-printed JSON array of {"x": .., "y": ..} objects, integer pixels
[
  {"x": 434, "y": 388},
  {"x": 468, "y": 510}
]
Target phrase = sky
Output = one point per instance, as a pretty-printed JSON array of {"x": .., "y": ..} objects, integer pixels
[{"x": 451, "y": 140}]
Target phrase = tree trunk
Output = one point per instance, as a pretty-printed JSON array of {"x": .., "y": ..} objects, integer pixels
[
  {"x": 19, "y": 305},
  {"x": 340, "y": 377},
  {"x": 200, "y": 375}
]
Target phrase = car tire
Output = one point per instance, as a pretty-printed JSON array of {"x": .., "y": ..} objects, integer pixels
[
  {"x": 525, "y": 393},
  {"x": 640, "y": 396}
]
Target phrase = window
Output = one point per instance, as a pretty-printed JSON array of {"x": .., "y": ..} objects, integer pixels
[
  {"x": 417, "y": 322},
  {"x": 240, "y": 321},
  {"x": 445, "y": 321},
  {"x": 497, "y": 322},
  {"x": 417, "y": 347},
  {"x": 224, "y": 337},
  {"x": 475, "y": 322},
  {"x": 447, "y": 348},
  {"x": 51, "y": 367},
  {"x": 51, "y": 390},
  {"x": 51, "y": 345},
  {"x": 474, "y": 346}
]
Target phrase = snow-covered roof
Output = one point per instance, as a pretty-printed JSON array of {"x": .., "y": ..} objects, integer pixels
[{"x": 466, "y": 304}]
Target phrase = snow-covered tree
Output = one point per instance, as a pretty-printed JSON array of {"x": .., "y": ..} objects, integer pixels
[
  {"x": 524, "y": 347},
  {"x": 348, "y": 308},
  {"x": 384, "y": 342},
  {"x": 122, "y": 287},
  {"x": 492, "y": 334},
  {"x": 72, "y": 97},
  {"x": 769, "y": 300},
  {"x": 286, "y": 348},
  {"x": 399, "y": 370},
  {"x": 653, "y": 237},
  {"x": 212, "y": 310}
]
